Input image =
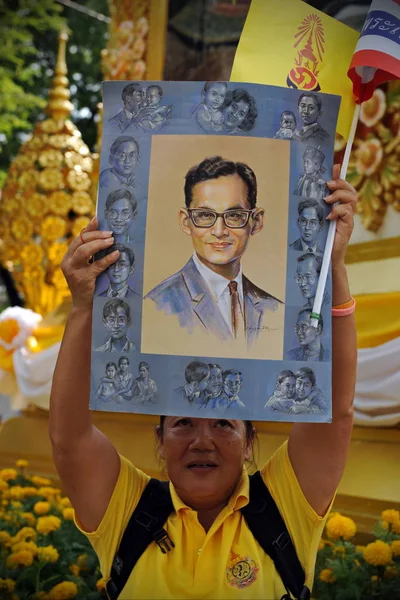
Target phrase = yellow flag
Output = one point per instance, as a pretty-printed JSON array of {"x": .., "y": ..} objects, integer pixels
[{"x": 289, "y": 43}]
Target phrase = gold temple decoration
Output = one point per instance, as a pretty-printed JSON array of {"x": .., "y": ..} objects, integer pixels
[
  {"x": 46, "y": 199},
  {"x": 136, "y": 47},
  {"x": 374, "y": 167}
]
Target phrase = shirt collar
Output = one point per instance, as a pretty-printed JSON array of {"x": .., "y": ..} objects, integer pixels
[
  {"x": 215, "y": 282},
  {"x": 238, "y": 499},
  {"x": 307, "y": 246},
  {"x": 130, "y": 180},
  {"x": 121, "y": 293},
  {"x": 128, "y": 114}
]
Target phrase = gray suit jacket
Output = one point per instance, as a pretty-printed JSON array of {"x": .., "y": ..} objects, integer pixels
[
  {"x": 186, "y": 295},
  {"x": 120, "y": 120},
  {"x": 296, "y": 245}
]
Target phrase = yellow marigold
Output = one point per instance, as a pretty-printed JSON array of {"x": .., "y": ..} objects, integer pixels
[
  {"x": 75, "y": 570},
  {"x": 48, "y": 491},
  {"x": 341, "y": 527},
  {"x": 29, "y": 518},
  {"x": 385, "y": 525},
  {"x": 24, "y": 534},
  {"x": 390, "y": 515},
  {"x": 3, "y": 485},
  {"x": 23, "y": 558},
  {"x": 48, "y": 524},
  {"x": 396, "y": 527},
  {"x": 374, "y": 578},
  {"x": 65, "y": 502},
  {"x": 7, "y": 585},
  {"x": 5, "y": 538},
  {"x": 101, "y": 584},
  {"x": 63, "y": 591},
  {"x": 396, "y": 548},
  {"x": 8, "y": 474},
  {"x": 16, "y": 504},
  {"x": 321, "y": 545},
  {"x": 81, "y": 561},
  {"x": 37, "y": 480},
  {"x": 41, "y": 508},
  {"x": 332, "y": 514},
  {"x": 327, "y": 576},
  {"x": 378, "y": 553},
  {"x": 391, "y": 573},
  {"x": 339, "y": 549},
  {"x": 22, "y": 463},
  {"x": 48, "y": 554},
  {"x": 29, "y": 546},
  {"x": 30, "y": 491},
  {"x": 68, "y": 514},
  {"x": 360, "y": 549},
  {"x": 16, "y": 492}
]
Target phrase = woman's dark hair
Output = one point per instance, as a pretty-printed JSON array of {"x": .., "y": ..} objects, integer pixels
[
  {"x": 250, "y": 435},
  {"x": 239, "y": 95}
]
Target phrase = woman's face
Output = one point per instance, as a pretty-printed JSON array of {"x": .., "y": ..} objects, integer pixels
[
  {"x": 204, "y": 458},
  {"x": 143, "y": 372},
  {"x": 235, "y": 113}
]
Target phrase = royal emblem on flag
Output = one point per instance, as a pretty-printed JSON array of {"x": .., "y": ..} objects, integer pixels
[{"x": 309, "y": 43}]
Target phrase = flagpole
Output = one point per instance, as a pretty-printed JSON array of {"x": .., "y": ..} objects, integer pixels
[{"x": 316, "y": 311}]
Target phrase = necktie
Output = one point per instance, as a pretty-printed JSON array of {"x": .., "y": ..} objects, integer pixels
[
  {"x": 235, "y": 308},
  {"x": 309, "y": 249}
]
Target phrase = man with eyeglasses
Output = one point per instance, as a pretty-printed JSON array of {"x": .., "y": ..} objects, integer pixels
[
  {"x": 307, "y": 274},
  {"x": 123, "y": 158},
  {"x": 117, "y": 320},
  {"x": 310, "y": 222},
  {"x": 120, "y": 212},
  {"x": 309, "y": 338},
  {"x": 210, "y": 292},
  {"x": 119, "y": 272}
]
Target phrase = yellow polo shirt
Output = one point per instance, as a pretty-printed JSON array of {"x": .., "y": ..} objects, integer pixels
[{"x": 225, "y": 562}]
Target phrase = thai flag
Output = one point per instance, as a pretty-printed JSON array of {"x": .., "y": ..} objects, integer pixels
[{"x": 376, "y": 58}]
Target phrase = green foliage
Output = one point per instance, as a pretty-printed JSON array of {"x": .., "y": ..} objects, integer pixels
[{"x": 28, "y": 48}]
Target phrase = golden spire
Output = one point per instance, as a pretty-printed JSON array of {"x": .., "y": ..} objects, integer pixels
[{"x": 59, "y": 106}]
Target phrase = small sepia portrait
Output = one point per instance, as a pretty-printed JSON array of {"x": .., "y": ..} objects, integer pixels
[
  {"x": 108, "y": 389},
  {"x": 120, "y": 212},
  {"x": 309, "y": 108},
  {"x": 305, "y": 398},
  {"x": 307, "y": 274},
  {"x": 230, "y": 387},
  {"x": 144, "y": 389},
  {"x": 239, "y": 112},
  {"x": 123, "y": 158},
  {"x": 310, "y": 183},
  {"x": 142, "y": 109},
  {"x": 287, "y": 126},
  {"x": 194, "y": 390},
  {"x": 209, "y": 113},
  {"x": 309, "y": 346},
  {"x": 116, "y": 320},
  {"x": 119, "y": 274},
  {"x": 310, "y": 222}
]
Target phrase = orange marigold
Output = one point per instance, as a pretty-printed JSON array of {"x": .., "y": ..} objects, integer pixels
[
  {"x": 378, "y": 553},
  {"x": 341, "y": 527},
  {"x": 327, "y": 576}
]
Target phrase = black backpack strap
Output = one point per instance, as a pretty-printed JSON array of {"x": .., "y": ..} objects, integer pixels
[
  {"x": 269, "y": 529},
  {"x": 145, "y": 526}
]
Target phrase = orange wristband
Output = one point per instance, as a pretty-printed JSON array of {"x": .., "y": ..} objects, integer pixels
[{"x": 343, "y": 310}]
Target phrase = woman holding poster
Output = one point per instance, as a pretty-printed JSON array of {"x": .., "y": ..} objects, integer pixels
[{"x": 215, "y": 554}]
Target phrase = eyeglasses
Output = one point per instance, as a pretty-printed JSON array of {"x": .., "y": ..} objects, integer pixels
[
  {"x": 234, "y": 219},
  {"x": 112, "y": 321},
  {"x": 302, "y": 328},
  {"x": 312, "y": 223},
  {"x": 305, "y": 278}
]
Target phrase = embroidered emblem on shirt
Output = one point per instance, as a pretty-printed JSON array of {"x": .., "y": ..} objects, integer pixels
[{"x": 241, "y": 571}]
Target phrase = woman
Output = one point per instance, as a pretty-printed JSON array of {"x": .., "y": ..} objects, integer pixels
[
  {"x": 239, "y": 112},
  {"x": 215, "y": 554},
  {"x": 144, "y": 389}
]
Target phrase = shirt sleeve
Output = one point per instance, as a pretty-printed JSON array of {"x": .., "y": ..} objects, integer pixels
[
  {"x": 125, "y": 497},
  {"x": 304, "y": 525}
]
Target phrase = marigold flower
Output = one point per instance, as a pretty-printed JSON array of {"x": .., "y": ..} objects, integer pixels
[
  {"x": 396, "y": 527},
  {"x": 341, "y": 527},
  {"x": 101, "y": 584},
  {"x": 3, "y": 485},
  {"x": 374, "y": 578},
  {"x": 5, "y": 538},
  {"x": 396, "y": 547},
  {"x": 339, "y": 549},
  {"x": 369, "y": 155},
  {"x": 81, "y": 561},
  {"x": 48, "y": 524},
  {"x": 391, "y": 573},
  {"x": 68, "y": 514},
  {"x": 29, "y": 518},
  {"x": 321, "y": 545},
  {"x": 24, "y": 534},
  {"x": 39, "y": 481},
  {"x": 391, "y": 515},
  {"x": 22, "y": 463},
  {"x": 75, "y": 570},
  {"x": 378, "y": 553},
  {"x": 360, "y": 549},
  {"x": 22, "y": 558},
  {"x": 16, "y": 504},
  {"x": 65, "y": 502},
  {"x": 48, "y": 554},
  {"x": 16, "y": 492},
  {"x": 63, "y": 591},
  {"x": 41, "y": 508},
  {"x": 30, "y": 546},
  {"x": 8, "y": 474},
  {"x": 327, "y": 576},
  {"x": 7, "y": 585},
  {"x": 48, "y": 491}
]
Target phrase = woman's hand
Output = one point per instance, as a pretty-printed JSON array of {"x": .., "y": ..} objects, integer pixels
[
  {"x": 79, "y": 273},
  {"x": 343, "y": 214}
]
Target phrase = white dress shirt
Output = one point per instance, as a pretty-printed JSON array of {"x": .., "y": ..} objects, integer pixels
[
  {"x": 305, "y": 247},
  {"x": 219, "y": 288}
]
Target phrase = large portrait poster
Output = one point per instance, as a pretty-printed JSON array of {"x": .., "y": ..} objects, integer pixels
[{"x": 215, "y": 195}]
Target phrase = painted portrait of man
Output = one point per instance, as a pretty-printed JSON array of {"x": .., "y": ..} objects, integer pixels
[
  {"x": 133, "y": 99},
  {"x": 123, "y": 158},
  {"x": 211, "y": 292},
  {"x": 309, "y": 108},
  {"x": 120, "y": 212},
  {"x": 310, "y": 222}
]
